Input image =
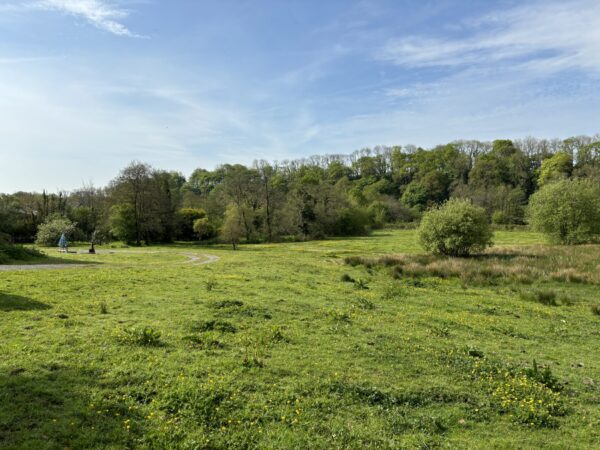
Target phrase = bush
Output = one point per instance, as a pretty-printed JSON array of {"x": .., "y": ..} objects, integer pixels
[
  {"x": 499, "y": 218},
  {"x": 568, "y": 211},
  {"x": 10, "y": 252},
  {"x": 50, "y": 231},
  {"x": 203, "y": 229},
  {"x": 456, "y": 228},
  {"x": 352, "y": 222},
  {"x": 185, "y": 219}
]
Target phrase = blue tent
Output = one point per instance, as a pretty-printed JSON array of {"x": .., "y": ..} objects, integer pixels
[{"x": 62, "y": 242}]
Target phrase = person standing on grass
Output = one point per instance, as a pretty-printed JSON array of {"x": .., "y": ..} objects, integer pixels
[{"x": 63, "y": 244}]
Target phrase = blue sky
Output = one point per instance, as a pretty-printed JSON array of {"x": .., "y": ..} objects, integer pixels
[{"x": 86, "y": 86}]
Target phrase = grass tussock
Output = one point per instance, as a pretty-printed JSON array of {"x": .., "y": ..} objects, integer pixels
[
  {"x": 144, "y": 336},
  {"x": 526, "y": 265}
]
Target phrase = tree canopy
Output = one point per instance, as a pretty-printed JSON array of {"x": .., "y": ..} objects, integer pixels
[{"x": 314, "y": 197}]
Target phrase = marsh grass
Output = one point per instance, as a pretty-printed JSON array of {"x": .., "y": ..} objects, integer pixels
[
  {"x": 525, "y": 265},
  {"x": 545, "y": 297}
]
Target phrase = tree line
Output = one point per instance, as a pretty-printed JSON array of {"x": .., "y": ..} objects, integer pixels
[{"x": 309, "y": 198}]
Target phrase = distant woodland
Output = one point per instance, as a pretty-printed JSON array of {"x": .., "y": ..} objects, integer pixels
[{"x": 311, "y": 198}]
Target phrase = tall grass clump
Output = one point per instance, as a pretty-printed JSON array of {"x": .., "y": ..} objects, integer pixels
[{"x": 144, "y": 336}]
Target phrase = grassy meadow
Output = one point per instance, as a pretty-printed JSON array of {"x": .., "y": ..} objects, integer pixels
[{"x": 344, "y": 343}]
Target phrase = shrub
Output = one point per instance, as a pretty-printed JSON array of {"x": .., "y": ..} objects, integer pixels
[
  {"x": 456, "y": 228},
  {"x": 568, "y": 211},
  {"x": 185, "y": 219},
  {"x": 352, "y": 222},
  {"x": 10, "y": 252},
  {"x": 204, "y": 229},
  {"x": 50, "y": 231},
  {"x": 499, "y": 218}
]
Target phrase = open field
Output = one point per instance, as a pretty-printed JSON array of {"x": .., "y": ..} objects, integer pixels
[{"x": 269, "y": 347}]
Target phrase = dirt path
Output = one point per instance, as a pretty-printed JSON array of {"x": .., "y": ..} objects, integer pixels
[{"x": 195, "y": 260}]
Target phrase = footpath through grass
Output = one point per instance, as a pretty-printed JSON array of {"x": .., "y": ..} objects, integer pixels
[{"x": 287, "y": 346}]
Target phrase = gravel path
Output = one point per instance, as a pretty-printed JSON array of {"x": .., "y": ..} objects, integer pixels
[{"x": 192, "y": 259}]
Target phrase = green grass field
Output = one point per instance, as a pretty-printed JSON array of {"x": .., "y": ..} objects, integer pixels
[{"x": 267, "y": 347}]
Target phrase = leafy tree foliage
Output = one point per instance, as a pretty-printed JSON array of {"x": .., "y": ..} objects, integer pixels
[
  {"x": 232, "y": 229},
  {"x": 185, "y": 218},
  {"x": 204, "y": 229},
  {"x": 310, "y": 198},
  {"x": 123, "y": 223},
  {"x": 568, "y": 211},
  {"x": 51, "y": 230},
  {"x": 456, "y": 228},
  {"x": 557, "y": 167}
]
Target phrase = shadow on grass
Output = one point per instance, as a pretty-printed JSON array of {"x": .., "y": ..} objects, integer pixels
[
  {"x": 50, "y": 408},
  {"x": 57, "y": 260},
  {"x": 9, "y": 302}
]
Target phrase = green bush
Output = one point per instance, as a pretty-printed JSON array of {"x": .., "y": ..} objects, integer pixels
[
  {"x": 49, "y": 232},
  {"x": 568, "y": 211},
  {"x": 352, "y": 222},
  {"x": 456, "y": 228},
  {"x": 10, "y": 252},
  {"x": 204, "y": 229},
  {"x": 185, "y": 219},
  {"x": 499, "y": 218},
  {"x": 122, "y": 223}
]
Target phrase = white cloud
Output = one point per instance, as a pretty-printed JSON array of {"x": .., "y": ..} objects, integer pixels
[
  {"x": 98, "y": 12},
  {"x": 551, "y": 36},
  {"x": 415, "y": 91}
]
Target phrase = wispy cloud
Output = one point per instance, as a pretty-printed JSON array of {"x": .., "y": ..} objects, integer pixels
[
  {"x": 417, "y": 90},
  {"x": 550, "y": 36},
  {"x": 97, "y": 12}
]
